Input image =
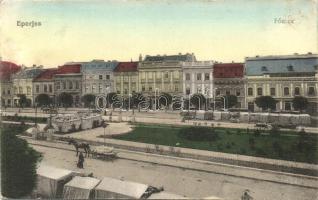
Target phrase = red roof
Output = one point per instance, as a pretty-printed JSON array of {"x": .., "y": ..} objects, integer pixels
[
  {"x": 7, "y": 69},
  {"x": 228, "y": 70},
  {"x": 69, "y": 69},
  {"x": 126, "y": 67},
  {"x": 46, "y": 75}
]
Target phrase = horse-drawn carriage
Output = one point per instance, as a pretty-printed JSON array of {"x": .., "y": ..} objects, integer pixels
[{"x": 104, "y": 153}]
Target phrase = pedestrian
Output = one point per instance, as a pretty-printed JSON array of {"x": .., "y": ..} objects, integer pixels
[{"x": 80, "y": 161}]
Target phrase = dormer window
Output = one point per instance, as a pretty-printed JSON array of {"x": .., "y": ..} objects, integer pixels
[
  {"x": 264, "y": 69},
  {"x": 290, "y": 68}
]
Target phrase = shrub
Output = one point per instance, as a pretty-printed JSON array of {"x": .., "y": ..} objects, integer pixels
[{"x": 198, "y": 134}]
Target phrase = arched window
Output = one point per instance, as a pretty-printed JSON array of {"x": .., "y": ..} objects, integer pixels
[
  {"x": 297, "y": 91},
  {"x": 286, "y": 91}
]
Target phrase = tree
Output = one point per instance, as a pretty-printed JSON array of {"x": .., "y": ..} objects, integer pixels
[
  {"x": 198, "y": 100},
  {"x": 230, "y": 101},
  {"x": 111, "y": 98},
  {"x": 266, "y": 102},
  {"x": 300, "y": 103},
  {"x": 18, "y": 166},
  {"x": 88, "y": 100},
  {"x": 43, "y": 100},
  {"x": 66, "y": 99},
  {"x": 22, "y": 100},
  {"x": 137, "y": 99},
  {"x": 165, "y": 99}
]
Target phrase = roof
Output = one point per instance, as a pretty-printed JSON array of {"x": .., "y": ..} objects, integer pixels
[
  {"x": 29, "y": 72},
  {"x": 185, "y": 58},
  {"x": 53, "y": 173},
  {"x": 83, "y": 182},
  {"x": 228, "y": 70},
  {"x": 7, "y": 69},
  {"x": 125, "y": 188},
  {"x": 281, "y": 64},
  {"x": 127, "y": 67},
  {"x": 99, "y": 65},
  {"x": 69, "y": 69},
  {"x": 46, "y": 75}
]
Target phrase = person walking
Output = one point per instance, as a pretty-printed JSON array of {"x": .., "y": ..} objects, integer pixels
[{"x": 80, "y": 162}]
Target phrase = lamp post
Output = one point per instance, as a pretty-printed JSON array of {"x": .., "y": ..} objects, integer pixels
[
  {"x": 129, "y": 96},
  {"x": 104, "y": 126},
  {"x": 156, "y": 89}
]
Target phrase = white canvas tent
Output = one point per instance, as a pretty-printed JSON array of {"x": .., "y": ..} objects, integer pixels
[
  {"x": 51, "y": 181},
  {"x": 80, "y": 188},
  {"x": 166, "y": 195},
  {"x": 110, "y": 188}
]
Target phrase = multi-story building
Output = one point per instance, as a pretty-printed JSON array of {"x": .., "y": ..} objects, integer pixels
[
  {"x": 98, "y": 77},
  {"x": 6, "y": 88},
  {"x": 126, "y": 78},
  {"x": 23, "y": 83},
  {"x": 198, "y": 78},
  {"x": 229, "y": 80},
  {"x": 283, "y": 78},
  {"x": 68, "y": 79},
  {"x": 44, "y": 83},
  {"x": 158, "y": 74}
]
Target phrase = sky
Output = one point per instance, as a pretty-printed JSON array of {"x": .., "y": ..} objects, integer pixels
[{"x": 221, "y": 30}]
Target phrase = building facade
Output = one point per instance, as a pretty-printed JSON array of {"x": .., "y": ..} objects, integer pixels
[
  {"x": 23, "y": 84},
  {"x": 198, "y": 78},
  {"x": 283, "y": 78},
  {"x": 98, "y": 77},
  {"x": 44, "y": 84},
  {"x": 229, "y": 80},
  {"x": 68, "y": 79},
  {"x": 7, "y": 69},
  {"x": 126, "y": 78},
  {"x": 162, "y": 74}
]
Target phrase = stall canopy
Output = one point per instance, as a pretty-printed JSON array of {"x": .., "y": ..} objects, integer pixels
[
  {"x": 51, "y": 180},
  {"x": 166, "y": 195},
  {"x": 110, "y": 188},
  {"x": 80, "y": 188}
]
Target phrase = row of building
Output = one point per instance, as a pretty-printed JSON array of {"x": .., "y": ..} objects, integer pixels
[{"x": 282, "y": 77}]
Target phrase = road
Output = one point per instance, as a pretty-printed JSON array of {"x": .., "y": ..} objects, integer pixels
[{"x": 189, "y": 182}]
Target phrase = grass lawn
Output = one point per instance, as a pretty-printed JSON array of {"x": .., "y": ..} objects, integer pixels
[
  {"x": 24, "y": 119},
  {"x": 278, "y": 145},
  {"x": 15, "y": 129}
]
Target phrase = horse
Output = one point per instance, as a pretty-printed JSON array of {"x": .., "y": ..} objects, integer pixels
[{"x": 83, "y": 145}]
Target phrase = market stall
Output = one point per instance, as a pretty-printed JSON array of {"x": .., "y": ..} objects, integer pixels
[
  {"x": 110, "y": 188},
  {"x": 80, "y": 188}
]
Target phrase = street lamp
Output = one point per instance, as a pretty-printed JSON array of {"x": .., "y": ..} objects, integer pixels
[
  {"x": 104, "y": 124},
  {"x": 129, "y": 96},
  {"x": 156, "y": 97}
]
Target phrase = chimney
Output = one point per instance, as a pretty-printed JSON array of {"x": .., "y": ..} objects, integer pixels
[
  {"x": 309, "y": 53},
  {"x": 140, "y": 57}
]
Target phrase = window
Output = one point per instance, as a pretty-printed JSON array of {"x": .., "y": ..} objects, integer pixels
[
  {"x": 100, "y": 88},
  {"x": 297, "y": 91},
  {"x": 70, "y": 85},
  {"x": 311, "y": 91},
  {"x": 150, "y": 88},
  {"x": 250, "y": 91},
  {"x": 227, "y": 92},
  {"x": 9, "y": 91},
  {"x": 264, "y": 69},
  {"x": 199, "y": 77},
  {"x": 45, "y": 88},
  {"x": 218, "y": 92},
  {"x": 166, "y": 74},
  {"x": 273, "y": 91},
  {"x": 259, "y": 91},
  {"x": 107, "y": 76},
  {"x": 64, "y": 85},
  {"x": 287, "y": 105},
  {"x": 28, "y": 90},
  {"x": 286, "y": 91},
  {"x": 206, "y": 76},
  {"x": 188, "y": 91},
  {"x": 50, "y": 89},
  {"x": 100, "y": 77},
  {"x": 176, "y": 88},
  {"x": 77, "y": 85},
  {"x": 15, "y": 90},
  {"x": 187, "y": 76},
  {"x": 125, "y": 91},
  {"x": 58, "y": 85},
  {"x": 290, "y": 68},
  {"x": 20, "y": 90},
  {"x": 37, "y": 88},
  {"x": 238, "y": 93},
  {"x": 143, "y": 88},
  {"x": 150, "y": 75}
]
